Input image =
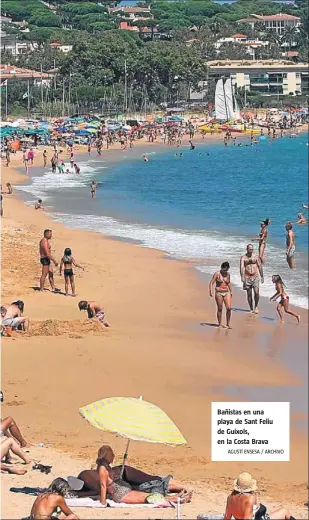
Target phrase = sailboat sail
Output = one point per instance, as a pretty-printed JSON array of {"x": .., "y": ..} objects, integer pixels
[
  {"x": 220, "y": 102},
  {"x": 237, "y": 110},
  {"x": 228, "y": 88}
]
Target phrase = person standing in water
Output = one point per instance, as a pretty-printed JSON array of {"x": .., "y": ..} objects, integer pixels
[
  {"x": 290, "y": 245},
  {"x": 94, "y": 186},
  {"x": 250, "y": 272},
  {"x": 67, "y": 261},
  {"x": 262, "y": 238},
  {"x": 223, "y": 293},
  {"x": 284, "y": 298}
]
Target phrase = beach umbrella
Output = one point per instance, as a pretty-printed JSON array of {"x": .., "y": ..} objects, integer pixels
[{"x": 134, "y": 419}]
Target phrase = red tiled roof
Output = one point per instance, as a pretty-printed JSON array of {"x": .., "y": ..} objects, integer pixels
[
  {"x": 10, "y": 71},
  {"x": 55, "y": 44},
  {"x": 239, "y": 36},
  {"x": 280, "y": 16}
]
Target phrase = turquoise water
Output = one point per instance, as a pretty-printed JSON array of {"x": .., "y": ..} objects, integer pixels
[{"x": 204, "y": 206}]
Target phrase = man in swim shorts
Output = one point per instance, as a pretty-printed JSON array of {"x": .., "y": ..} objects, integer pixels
[
  {"x": 251, "y": 271},
  {"x": 290, "y": 245},
  {"x": 46, "y": 260}
]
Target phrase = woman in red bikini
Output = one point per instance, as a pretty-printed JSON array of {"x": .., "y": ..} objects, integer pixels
[
  {"x": 284, "y": 301},
  {"x": 223, "y": 293}
]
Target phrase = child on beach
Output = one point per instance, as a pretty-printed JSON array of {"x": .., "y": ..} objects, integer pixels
[
  {"x": 284, "y": 302},
  {"x": 67, "y": 261},
  {"x": 94, "y": 310},
  {"x": 52, "y": 501},
  {"x": 38, "y": 204}
]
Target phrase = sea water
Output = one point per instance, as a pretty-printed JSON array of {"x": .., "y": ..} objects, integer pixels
[{"x": 204, "y": 206}]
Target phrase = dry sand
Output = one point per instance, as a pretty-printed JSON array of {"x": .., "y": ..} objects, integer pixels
[{"x": 155, "y": 348}]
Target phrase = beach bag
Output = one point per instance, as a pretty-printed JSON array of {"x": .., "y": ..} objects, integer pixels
[{"x": 159, "y": 486}]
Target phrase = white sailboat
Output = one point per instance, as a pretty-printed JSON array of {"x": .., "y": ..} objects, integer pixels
[
  {"x": 229, "y": 99},
  {"x": 221, "y": 108}
]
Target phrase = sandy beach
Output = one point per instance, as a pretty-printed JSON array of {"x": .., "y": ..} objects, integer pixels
[{"x": 162, "y": 345}]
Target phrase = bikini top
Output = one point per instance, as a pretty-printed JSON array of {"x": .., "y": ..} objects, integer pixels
[
  {"x": 67, "y": 260},
  {"x": 222, "y": 281}
]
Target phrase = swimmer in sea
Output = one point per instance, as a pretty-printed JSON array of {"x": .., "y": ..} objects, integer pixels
[
  {"x": 301, "y": 219},
  {"x": 284, "y": 301},
  {"x": 145, "y": 158},
  {"x": 305, "y": 206},
  {"x": 181, "y": 154}
]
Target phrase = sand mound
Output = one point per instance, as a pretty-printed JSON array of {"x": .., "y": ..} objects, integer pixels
[{"x": 73, "y": 329}]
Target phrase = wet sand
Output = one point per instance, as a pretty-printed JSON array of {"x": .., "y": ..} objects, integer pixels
[{"x": 162, "y": 345}]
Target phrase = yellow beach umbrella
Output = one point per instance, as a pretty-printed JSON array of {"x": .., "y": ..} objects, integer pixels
[{"x": 134, "y": 419}]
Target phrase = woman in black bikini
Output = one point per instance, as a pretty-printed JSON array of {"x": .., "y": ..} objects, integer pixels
[
  {"x": 67, "y": 261},
  {"x": 262, "y": 238},
  {"x": 223, "y": 293}
]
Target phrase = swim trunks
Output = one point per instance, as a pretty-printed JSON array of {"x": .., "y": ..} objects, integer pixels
[
  {"x": 68, "y": 272},
  {"x": 251, "y": 282},
  {"x": 291, "y": 252},
  {"x": 101, "y": 317},
  {"x": 45, "y": 260},
  {"x": 12, "y": 322}
]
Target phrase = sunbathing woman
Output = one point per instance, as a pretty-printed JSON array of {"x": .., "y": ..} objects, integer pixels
[
  {"x": 7, "y": 444},
  {"x": 242, "y": 503},
  {"x": 262, "y": 238},
  {"x": 67, "y": 261},
  {"x": 106, "y": 482},
  {"x": 51, "y": 502}
]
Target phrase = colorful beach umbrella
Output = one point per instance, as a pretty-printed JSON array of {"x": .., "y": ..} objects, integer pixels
[{"x": 134, "y": 419}]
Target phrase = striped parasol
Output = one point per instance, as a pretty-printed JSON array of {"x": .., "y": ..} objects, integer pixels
[{"x": 133, "y": 419}]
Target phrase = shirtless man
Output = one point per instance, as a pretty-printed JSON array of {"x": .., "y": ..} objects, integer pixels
[
  {"x": 290, "y": 245},
  {"x": 242, "y": 503},
  {"x": 250, "y": 272},
  {"x": 301, "y": 219},
  {"x": 94, "y": 310},
  {"x": 13, "y": 316},
  {"x": 46, "y": 258}
]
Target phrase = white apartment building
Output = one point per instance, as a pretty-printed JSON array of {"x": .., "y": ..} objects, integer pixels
[
  {"x": 274, "y": 22},
  {"x": 267, "y": 77}
]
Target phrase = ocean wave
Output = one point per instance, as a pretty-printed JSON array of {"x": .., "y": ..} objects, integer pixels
[
  {"x": 200, "y": 245},
  {"x": 49, "y": 181}
]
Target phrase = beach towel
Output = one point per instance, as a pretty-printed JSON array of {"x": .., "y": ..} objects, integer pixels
[{"x": 89, "y": 502}]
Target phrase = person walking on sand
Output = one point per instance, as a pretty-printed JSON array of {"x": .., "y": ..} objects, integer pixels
[
  {"x": 67, "y": 261},
  {"x": 262, "y": 238},
  {"x": 242, "y": 502},
  {"x": 94, "y": 310},
  {"x": 284, "y": 298},
  {"x": 46, "y": 260},
  {"x": 223, "y": 293},
  {"x": 290, "y": 245},
  {"x": 250, "y": 272},
  {"x": 52, "y": 501},
  {"x": 9, "y": 187}
]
